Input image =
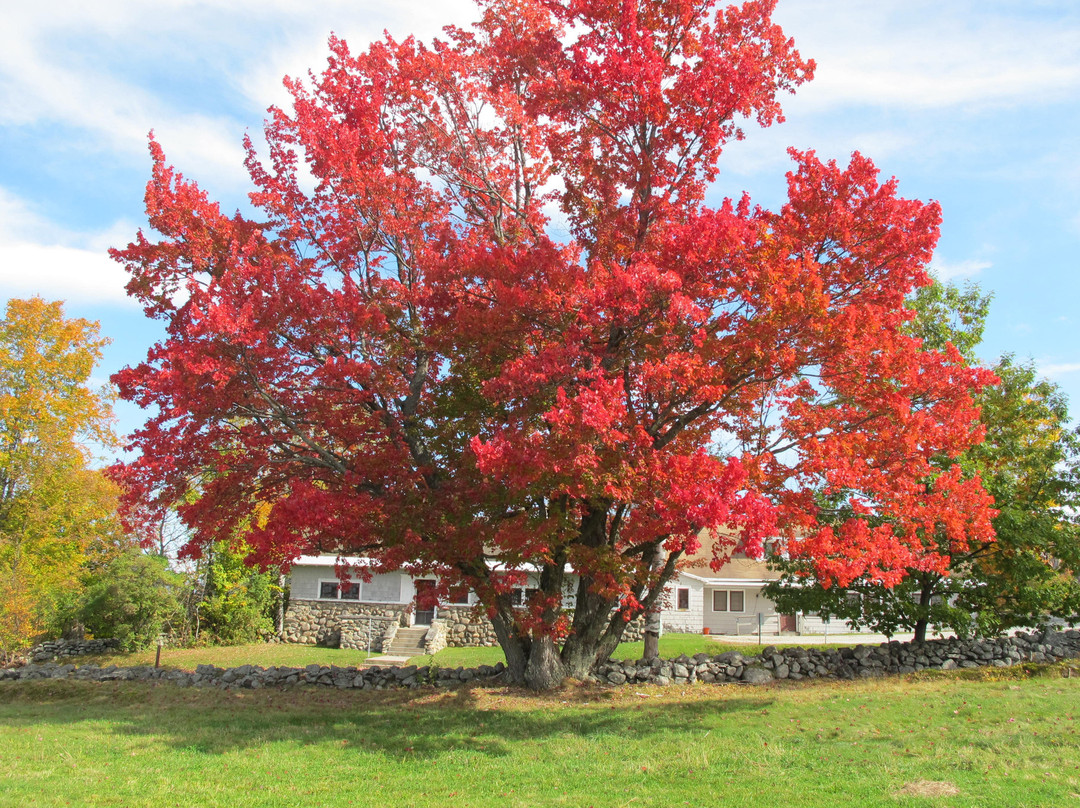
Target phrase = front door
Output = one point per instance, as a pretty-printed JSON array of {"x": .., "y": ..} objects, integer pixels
[
  {"x": 788, "y": 623},
  {"x": 424, "y": 603}
]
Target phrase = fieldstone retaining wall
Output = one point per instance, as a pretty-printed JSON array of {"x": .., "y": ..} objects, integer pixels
[
  {"x": 463, "y": 628},
  {"x": 345, "y": 625},
  {"x": 369, "y": 632},
  {"x": 860, "y": 661},
  {"x": 54, "y": 649},
  {"x": 319, "y": 622}
]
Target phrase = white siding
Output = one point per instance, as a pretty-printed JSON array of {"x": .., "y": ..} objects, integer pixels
[
  {"x": 304, "y": 581},
  {"x": 677, "y": 620},
  {"x": 740, "y": 622},
  {"x": 812, "y": 624},
  {"x": 384, "y": 588}
]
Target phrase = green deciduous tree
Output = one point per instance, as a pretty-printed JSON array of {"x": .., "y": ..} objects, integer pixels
[
  {"x": 136, "y": 599},
  {"x": 57, "y": 515},
  {"x": 238, "y": 600}
]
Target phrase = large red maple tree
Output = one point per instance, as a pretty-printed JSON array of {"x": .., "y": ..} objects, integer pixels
[{"x": 484, "y": 321}]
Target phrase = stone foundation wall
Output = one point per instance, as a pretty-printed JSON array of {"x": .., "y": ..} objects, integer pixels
[
  {"x": 635, "y": 630},
  {"x": 465, "y": 629},
  {"x": 319, "y": 622},
  {"x": 367, "y": 632}
]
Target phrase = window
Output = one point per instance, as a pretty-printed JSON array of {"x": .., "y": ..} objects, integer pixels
[
  {"x": 682, "y": 599},
  {"x": 728, "y": 601},
  {"x": 719, "y": 600},
  {"x": 328, "y": 590},
  {"x": 458, "y": 595},
  {"x": 333, "y": 590},
  {"x": 520, "y": 597}
]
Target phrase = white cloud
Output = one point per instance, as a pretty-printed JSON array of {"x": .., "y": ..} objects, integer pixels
[
  {"x": 1060, "y": 369},
  {"x": 947, "y": 270},
  {"x": 928, "y": 55},
  {"x": 38, "y": 258}
]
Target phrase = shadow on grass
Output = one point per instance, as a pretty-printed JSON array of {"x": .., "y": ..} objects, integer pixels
[{"x": 421, "y": 724}]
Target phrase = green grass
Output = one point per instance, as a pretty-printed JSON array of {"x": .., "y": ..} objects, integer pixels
[
  {"x": 230, "y": 656},
  {"x": 297, "y": 656},
  {"x": 671, "y": 645},
  {"x": 951, "y": 739}
]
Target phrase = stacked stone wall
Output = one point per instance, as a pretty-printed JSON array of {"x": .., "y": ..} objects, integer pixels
[
  {"x": 366, "y": 632},
  {"x": 463, "y": 627},
  {"x": 860, "y": 661},
  {"x": 319, "y": 622},
  {"x": 57, "y": 649}
]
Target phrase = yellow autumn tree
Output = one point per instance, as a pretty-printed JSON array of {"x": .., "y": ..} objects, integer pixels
[{"x": 57, "y": 513}]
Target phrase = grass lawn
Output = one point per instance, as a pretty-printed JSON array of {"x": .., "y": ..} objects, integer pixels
[
  {"x": 290, "y": 655},
  {"x": 230, "y": 656},
  {"x": 933, "y": 740},
  {"x": 671, "y": 645}
]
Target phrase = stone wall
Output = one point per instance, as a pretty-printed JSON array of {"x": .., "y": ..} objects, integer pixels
[
  {"x": 367, "y": 632},
  {"x": 635, "y": 630},
  {"x": 55, "y": 649},
  {"x": 464, "y": 628},
  {"x": 860, "y": 661},
  {"x": 319, "y": 622}
]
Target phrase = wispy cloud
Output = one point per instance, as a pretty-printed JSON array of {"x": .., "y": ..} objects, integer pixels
[
  {"x": 1060, "y": 369},
  {"x": 947, "y": 270},
  {"x": 936, "y": 55},
  {"x": 39, "y": 258}
]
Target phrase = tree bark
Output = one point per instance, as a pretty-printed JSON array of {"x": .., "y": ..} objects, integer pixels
[
  {"x": 926, "y": 595},
  {"x": 513, "y": 647},
  {"x": 920, "y": 629},
  {"x": 545, "y": 670}
]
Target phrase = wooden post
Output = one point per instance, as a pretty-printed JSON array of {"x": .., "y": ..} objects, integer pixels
[{"x": 157, "y": 659}]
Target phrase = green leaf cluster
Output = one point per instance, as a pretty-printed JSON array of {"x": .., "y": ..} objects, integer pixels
[{"x": 136, "y": 599}]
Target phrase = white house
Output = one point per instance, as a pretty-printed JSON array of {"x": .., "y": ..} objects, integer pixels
[{"x": 367, "y": 614}]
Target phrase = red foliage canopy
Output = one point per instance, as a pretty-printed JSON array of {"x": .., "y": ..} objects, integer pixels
[{"x": 485, "y": 314}]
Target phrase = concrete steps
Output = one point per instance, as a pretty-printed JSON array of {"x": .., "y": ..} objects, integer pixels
[{"x": 408, "y": 642}]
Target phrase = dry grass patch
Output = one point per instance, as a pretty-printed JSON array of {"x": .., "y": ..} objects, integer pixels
[{"x": 928, "y": 788}]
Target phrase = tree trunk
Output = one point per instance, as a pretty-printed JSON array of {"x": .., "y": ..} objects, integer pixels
[
  {"x": 920, "y": 629},
  {"x": 545, "y": 670},
  {"x": 926, "y": 595},
  {"x": 652, "y": 615},
  {"x": 513, "y": 646},
  {"x": 652, "y": 635}
]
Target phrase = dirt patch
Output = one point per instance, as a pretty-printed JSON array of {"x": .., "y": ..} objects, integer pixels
[{"x": 928, "y": 788}]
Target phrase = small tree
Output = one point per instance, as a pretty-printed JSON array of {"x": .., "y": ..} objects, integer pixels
[
  {"x": 135, "y": 599},
  {"x": 238, "y": 601}
]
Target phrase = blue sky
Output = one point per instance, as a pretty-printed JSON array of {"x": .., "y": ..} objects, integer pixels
[{"x": 972, "y": 103}]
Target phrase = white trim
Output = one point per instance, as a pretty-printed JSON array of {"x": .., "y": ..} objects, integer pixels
[
  {"x": 729, "y": 581},
  {"x": 360, "y": 561},
  {"x": 337, "y": 583}
]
